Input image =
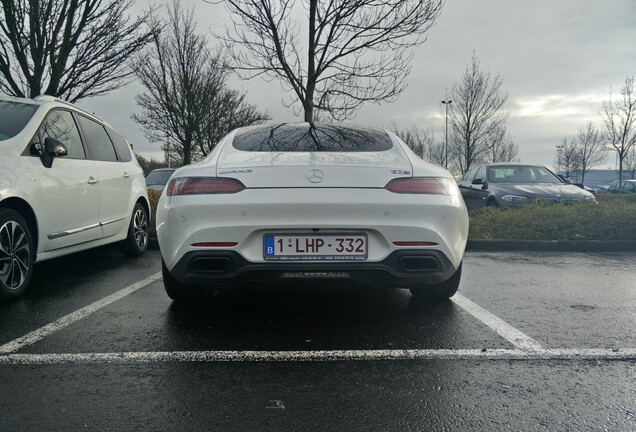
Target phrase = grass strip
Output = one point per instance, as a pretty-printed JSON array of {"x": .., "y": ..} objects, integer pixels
[{"x": 613, "y": 218}]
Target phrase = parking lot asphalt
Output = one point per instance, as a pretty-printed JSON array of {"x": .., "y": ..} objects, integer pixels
[{"x": 532, "y": 341}]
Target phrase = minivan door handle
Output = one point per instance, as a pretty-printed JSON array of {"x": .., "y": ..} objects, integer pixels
[
  {"x": 126, "y": 175},
  {"x": 91, "y": 180}
]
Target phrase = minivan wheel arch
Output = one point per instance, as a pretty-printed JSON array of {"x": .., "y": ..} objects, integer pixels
[
  {"x": 142, "y": 200},
  {"x": 26, "y": 211}
]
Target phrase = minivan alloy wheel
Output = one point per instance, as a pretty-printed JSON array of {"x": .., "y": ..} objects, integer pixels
[
  {"x": 15, "y": 254},
  {"x": 141, "y": 228}
]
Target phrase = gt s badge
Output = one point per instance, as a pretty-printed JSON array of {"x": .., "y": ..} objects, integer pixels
[
  {"x": 237, "y": 171},
  {"x": 396, "y": 171}
]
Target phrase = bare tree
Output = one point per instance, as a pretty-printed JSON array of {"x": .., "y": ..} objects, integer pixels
[
  {"x": 475, "y": 115},
  {"x": 186, "y": 101},
  {"x": 422, "y": 142},
  {"x": 589, "y": 148},
  {"x": 629, "y": 163},
  {"x": 150, "y": 164},
  {"x": 437, "y": 152},
  {"x": 357, "y": 50},
  {"x": 418, "y": 140},
  {"x": 71, "y": 49},
  {"x": 567, "y": 159},
  {"x": 501, "y": 148},
  {"x": 619, "y": 121}
]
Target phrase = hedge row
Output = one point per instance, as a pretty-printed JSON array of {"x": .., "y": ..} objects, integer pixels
[
  {"x": 613, "y": 218},
  {"x": 153, "y": 197}
]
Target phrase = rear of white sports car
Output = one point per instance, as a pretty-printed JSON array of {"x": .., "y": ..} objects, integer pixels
[{"x": 300, "y": 203}]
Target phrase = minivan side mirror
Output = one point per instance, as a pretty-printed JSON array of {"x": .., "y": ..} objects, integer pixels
[{"x": 52, "y": 148}]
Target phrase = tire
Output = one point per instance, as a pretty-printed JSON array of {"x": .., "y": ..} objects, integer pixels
[
  {"x": 176, "y": 290},
  {"x": 17, "y": 254},
  {"x": 440, "y": 291},
  {"x": 136, "y": 242}
]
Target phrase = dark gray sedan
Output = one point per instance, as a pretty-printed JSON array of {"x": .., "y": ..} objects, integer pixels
[
  {"x": 629, "y": 187},
  {"x": 158, "y": 179},
  {"x": 513, "y": 184}
]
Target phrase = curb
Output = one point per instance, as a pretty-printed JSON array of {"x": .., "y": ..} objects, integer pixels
[{"x": 551, "y": 245}]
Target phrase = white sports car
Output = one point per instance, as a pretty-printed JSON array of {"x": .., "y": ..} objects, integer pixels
[{"x": 304, "y": 202}]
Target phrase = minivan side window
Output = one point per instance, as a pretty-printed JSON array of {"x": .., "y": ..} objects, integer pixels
[
  {"x": 121, "y": 145},
  {"x": 59, "y": 124},
  {"x": 99, "y": 145}
]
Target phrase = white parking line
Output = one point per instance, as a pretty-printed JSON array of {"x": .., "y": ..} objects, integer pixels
[
  {"x": 505, "y": 330},
  {"x": 318, "y": 356},
  {"x": 42, "y": 332},
  {"x": 526, "y": 347}
]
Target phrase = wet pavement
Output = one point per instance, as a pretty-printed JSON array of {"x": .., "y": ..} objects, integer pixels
[{"x": 533, "y": 341}]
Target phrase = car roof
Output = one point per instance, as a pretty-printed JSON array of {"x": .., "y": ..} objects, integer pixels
[
  {"x": 19, "y": 99},
  {"x": 44, "y": 100}
]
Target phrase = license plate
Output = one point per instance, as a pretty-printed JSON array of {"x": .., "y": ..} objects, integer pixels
[{"x": 315, "y": 247}]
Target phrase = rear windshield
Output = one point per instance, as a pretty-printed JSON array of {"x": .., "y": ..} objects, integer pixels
[
  {"x": 303, "y": 137},
  {"x": 14, "y": 116},
  {"x": 521, "y": 174}
]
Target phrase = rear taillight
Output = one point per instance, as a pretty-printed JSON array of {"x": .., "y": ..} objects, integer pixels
[
  {"x": 431, "y": 186},
  {"x": 203, "y": 185}
]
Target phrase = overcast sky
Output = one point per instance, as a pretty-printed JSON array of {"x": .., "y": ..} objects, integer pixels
[{"x": 558, "y": 59}]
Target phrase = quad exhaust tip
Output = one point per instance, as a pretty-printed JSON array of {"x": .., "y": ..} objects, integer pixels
[
  {"x": 210, "y": 265},
  {"x": 420, "y": 264}
]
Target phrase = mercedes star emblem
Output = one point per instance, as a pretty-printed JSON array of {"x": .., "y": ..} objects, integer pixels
[{"x": 315, "y": 176}]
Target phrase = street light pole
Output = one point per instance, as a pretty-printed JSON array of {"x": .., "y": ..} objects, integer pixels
[
  {"x": 166, "y": 149},
  {"x": 559, "y": 160},
  {"x": 446, "y": 104}
]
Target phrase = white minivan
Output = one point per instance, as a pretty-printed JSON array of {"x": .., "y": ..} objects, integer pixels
[{"x": 68, "y": 182}]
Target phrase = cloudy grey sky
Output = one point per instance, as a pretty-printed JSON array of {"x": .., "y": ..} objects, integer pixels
[{"x": 558, "y": 59}]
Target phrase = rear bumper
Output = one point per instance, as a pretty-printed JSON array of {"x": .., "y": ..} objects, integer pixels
[
  {"x": 404, "y": 268},
  {"x": 244, "y": 218}
]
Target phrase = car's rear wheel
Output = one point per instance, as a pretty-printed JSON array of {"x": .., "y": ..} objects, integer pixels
[
  {"x": 17, "y": 254},
  {"x": 440, "y": 291},
  {"x": 137, "y": 240},
  {"x": 176, "y": 290}
]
